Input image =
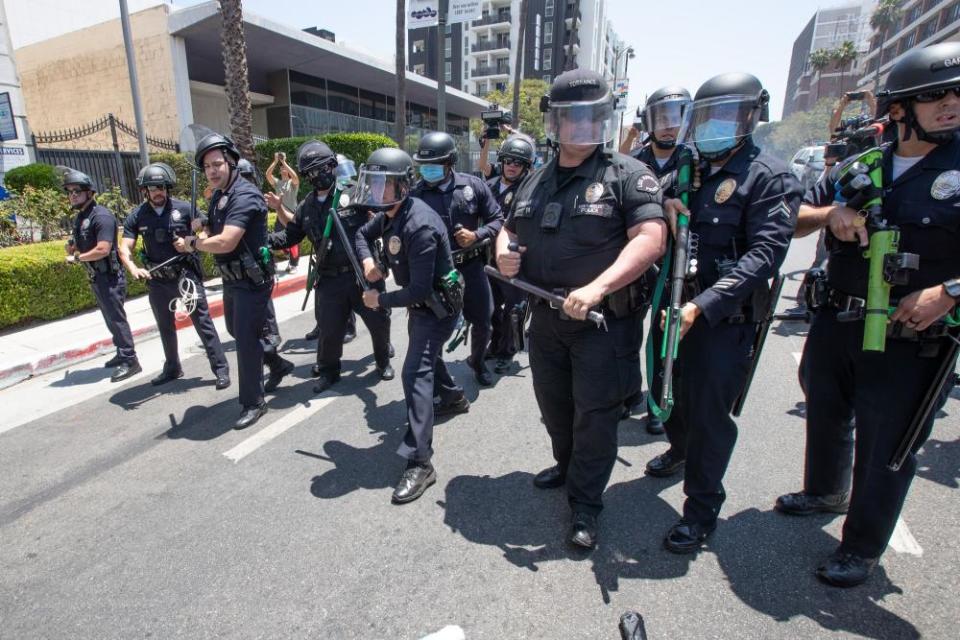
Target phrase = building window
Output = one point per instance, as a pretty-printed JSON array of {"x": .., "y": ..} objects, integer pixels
[
  {"x": 447, "y": 71},
  {"x": 954, "y": 13},
  {"x": 548, "y": 9},
  {"x": 548, "y": 33},
  {"x": 447, "y": 47},
  {"x": 911, "y": 40},
  {"x": 547, "y": 59},
  {"x": 448, "y": 29},
  {"x": 466, "y": 45},
  {"x": 547, "y": 78},
  {"x": 418, "y": 69},
  {"x": 418, "y": 46}
]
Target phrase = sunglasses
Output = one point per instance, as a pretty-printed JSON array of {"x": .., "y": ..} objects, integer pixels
[
  {"x": 936, "y": 95},
  {"x": 73, "y": 192},
  {"x": 513, "y": 161}
]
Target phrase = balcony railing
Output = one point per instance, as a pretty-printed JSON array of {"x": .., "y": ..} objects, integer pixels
[
  {"x": 490, "y": 46},
  {"x": 498, "y": 70},
  {"x": 493, "y": 18}
]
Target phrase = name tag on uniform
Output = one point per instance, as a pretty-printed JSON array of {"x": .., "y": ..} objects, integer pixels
[{"x": 598, "y": 209}]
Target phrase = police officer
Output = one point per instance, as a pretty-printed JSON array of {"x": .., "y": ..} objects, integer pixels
[
  {"x": 419, "y": 253},
  {"x": 237, "y": 237},
  {"x": 94, "y": 245},
  {"x": 515, "y": 158},
  {"x": 588, "y": 225},
  {"x": 744, "y": 213},
  {"x": 159, "y": 220},
  {"x": 471, "y": 213},
  {"x": 337, "y": 293},
  {"x": 882, "y": 389},
  {"x": 661, "y": 116}
]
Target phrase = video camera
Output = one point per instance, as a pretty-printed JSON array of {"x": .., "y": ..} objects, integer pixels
[
  {"x": 856, "y": 135},
  {"x": 493, "y": 118}
]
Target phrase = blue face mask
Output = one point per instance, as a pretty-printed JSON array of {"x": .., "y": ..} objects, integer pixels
[
  {"x": 432, "y": 172},
  {"x": 715, "y": 136}
]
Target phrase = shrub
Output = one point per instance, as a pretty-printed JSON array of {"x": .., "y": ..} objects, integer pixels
[
  {"x": 38, "y": 176},
  {"x": 46, "y": 208}
]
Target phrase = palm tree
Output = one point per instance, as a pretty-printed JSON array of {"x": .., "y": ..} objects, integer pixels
[
  {"x": 400, "y": 107},
  {"x": 885, "y": 17},
  {"x": 819, "y": 60},
  {"x": 234, "y": 47},
  {"x": 843, "y": 55},
  {"x": 518, "y": 64}
]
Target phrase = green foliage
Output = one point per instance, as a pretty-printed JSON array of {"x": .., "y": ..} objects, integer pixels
[
  {"x": 46, "y": 208},
  {"x": 114, "y": 200},
  {"x": 38, "y": 176},
  {"x": 530, "y": 121},
  {"x": 801, "y": 129}
]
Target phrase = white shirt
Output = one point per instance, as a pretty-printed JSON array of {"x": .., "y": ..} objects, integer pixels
[{"x": 902, "y": 164}]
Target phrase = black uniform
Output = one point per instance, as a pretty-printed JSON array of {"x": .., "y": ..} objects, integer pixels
[
  {"x": 744, "y": 215},
  {"x": 466, "y": 200},
  {"x": 882, "y": 389},
  {"x": 665, "y": 173},
  {"x": 159, "y": 230},
  {"x": 418, "y": 249},
  {"x": 92, "y": 225},
  {"x": 246, "y": 293},
  {"x": 337, "y": 292},
  {"x": 573, "y": 223},
  {"x": 507, "y": 300}
]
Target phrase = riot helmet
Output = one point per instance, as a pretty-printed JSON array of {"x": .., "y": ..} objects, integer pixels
[
  {"x": 580, "y": 109},
  {"x": 923, "y": 75},
  {"x": 157, "y": 174},
  {"x": 346, "y": 170},
  {"x": 384, "y": 179},
  {"x": 316, "y": 163},
  {"x": 664, "y": 112},
  {"x": 724, "y": 113},
  {"x": 213, "y": 141}
]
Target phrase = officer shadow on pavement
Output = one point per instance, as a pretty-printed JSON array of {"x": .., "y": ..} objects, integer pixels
[
  {"x": 530, "y": 526},
  {"x": 202, "y": 423},
  {"x": 769, "y": 560},
  {"x": 132, "y": 398},
  {"x": 77, "y": 377},
  {"x": 939, "y": 461},
  {"x": 358, "y": 468}
]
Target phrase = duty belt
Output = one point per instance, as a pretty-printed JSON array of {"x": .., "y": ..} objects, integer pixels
[
  {"x": 330, "y": 272},
  {"x": 231, "y": 271},
  {"x": 167, "y": 272},
  {"x": 619, "y": 304},
  {"x": 854, "y": 306},
  {"x": 465, "y": 255}
]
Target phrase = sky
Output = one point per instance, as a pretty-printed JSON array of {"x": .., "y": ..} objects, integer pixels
[{"x": 675, "y": 42}]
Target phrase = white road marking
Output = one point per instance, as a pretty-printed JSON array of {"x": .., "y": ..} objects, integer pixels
[
  {"x": 796, "y": 356},
  {"x": 275, "y": 429},
  {"x": 902, "y": 541}
]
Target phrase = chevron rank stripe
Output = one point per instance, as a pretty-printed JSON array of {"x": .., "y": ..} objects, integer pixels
[{"x": 779, "y": 208}]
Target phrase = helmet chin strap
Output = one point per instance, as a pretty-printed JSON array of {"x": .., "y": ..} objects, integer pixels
[
  {"x": 663, "y": 145},
  {"x": 934, "y": 137}
]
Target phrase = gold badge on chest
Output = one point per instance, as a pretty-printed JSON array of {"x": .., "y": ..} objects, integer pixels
[
  {"x": 725, "y": 190},
  {"x": 946, "y": 186},
  {"x": 393, "y": 245}
]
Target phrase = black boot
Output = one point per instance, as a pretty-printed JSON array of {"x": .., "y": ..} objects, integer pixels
[{"x": 277, "y": 372}]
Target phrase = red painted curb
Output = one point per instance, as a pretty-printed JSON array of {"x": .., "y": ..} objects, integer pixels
[{"x": 281, "y": 288}]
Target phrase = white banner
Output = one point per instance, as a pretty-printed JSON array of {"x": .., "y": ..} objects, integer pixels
[
  {"x": 463, "y": 10},
  {"x": 422, "y": 13}
]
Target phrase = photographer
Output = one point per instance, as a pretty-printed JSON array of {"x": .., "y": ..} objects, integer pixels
[{"x": 496, "y": 122}]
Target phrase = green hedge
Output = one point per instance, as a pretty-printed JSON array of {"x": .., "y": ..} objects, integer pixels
[{"x": 38, "y": 176}]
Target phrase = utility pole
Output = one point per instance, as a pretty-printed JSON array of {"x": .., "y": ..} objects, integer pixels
[
  {"x": 441, "y": 67},
  {"x": 134, "y": 83}
]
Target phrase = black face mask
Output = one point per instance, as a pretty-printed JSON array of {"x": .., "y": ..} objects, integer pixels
[{"x": 322, "y": 180}]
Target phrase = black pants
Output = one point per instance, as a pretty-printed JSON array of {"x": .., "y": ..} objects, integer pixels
[
  {"x": 425, "y": 376},
  {"x": 506, "y": 299},
  {"x": 655, "y": 374},
  {"x": 581, "y": 377},
  {"x": 245, "y": 311},
  {"x": 336, "y": 298},
  {"x": 883, "y": 391},
  {"x": 477, "y": 307},
  {"x": 161, "y": 293},
  {"x": 110, "y": 290},
  {"x": 709, "y": 374}
]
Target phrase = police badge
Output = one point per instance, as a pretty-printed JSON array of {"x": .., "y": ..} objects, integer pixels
[
  {"x": 946, "y": 186},
  {"x": 468, "y": 193},
  {"x": 594, "y": 193},
  {"x": 393, "y": 245},
  {"x": 344, "y": 201},
  {"x": 222, "y": 203},
  {"x": 507, "y": 199},
  {"x": 175, "y": 215},
  {"x": 725, "y": 190}
]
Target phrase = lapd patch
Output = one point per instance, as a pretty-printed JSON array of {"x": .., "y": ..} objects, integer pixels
[
  {"x": 946, "y": 185},
  {"x": 393, "y": 245},
  {"x": 725, "y": 190},
  {"x": 468, "y": 193},
  {"x": 594, "y": 193},
  {"x": 223, "y": 202},
  {"x": 507, "y": 199},
  {"x": 648, "y": 184},
  {"x": 344, "y": 201},
  {"x": 175, "y": 215}
]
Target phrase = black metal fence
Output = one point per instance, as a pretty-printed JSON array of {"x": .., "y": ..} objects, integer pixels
[{"x": 107, "y": 168}]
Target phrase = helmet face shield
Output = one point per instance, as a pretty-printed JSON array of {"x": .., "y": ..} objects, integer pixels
[
  {"x": 380, "y": 189},
  {"x": 717, "y": 125},
  {"x": 345, "y": 170},
  {"x": 581, "y": 122},
  {"x": 665, "y": 117}
]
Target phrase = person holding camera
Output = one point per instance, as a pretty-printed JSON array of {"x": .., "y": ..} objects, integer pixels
[
  {"x": 159, "y": 220},
  {"x": 286, "y": 190},
  {"x": 418, "y": 249},
  {"x": 487, "y": 170}
]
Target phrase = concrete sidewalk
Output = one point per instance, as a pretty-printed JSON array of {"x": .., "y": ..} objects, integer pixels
[{"x": 54, "y": 345}]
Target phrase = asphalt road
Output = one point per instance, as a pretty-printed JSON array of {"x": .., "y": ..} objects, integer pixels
[{"x": 127, "y": 513}]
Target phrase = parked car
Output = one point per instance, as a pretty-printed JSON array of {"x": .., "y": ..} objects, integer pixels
[{"x": 807, "y": 165}]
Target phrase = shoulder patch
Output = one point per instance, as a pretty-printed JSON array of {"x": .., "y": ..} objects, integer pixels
[{"x": 648, "y": 183}]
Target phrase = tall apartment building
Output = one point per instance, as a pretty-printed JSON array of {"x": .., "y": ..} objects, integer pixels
[
  {"x": 924, "y": 22},
  {"x": 827, "y": 29},
  {"x": 479, "y": 55}
]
